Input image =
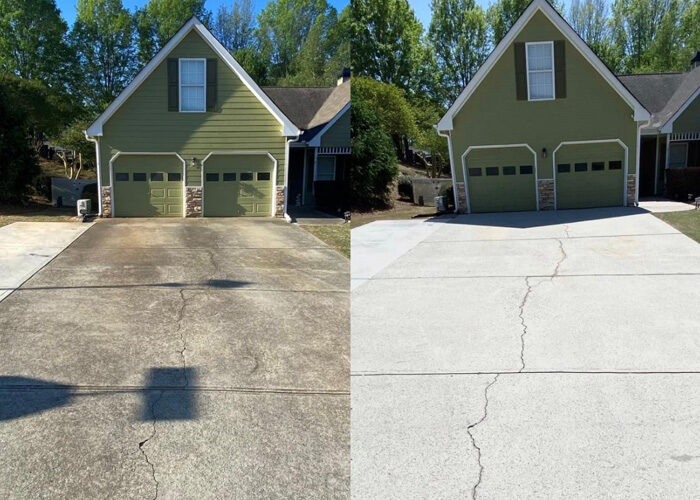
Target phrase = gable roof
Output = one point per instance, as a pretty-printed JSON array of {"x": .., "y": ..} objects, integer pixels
[
  {"x": 640, "y": 113},
  {"x": 194, "y": 24},
  {"x": 312, "y": 109},
  {"x": 686, "y": 93}
]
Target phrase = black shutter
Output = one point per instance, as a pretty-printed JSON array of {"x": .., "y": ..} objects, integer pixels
[
  {"x": 173, "y": 85},
  {"x": 559, "y": 69},
  {"x": 211, "y": 84},
  {"x": 520, "y": 72}
]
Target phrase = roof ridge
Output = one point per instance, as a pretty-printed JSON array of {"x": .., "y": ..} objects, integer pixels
[
  {"x": 297, "y": 87},
  {"x": 654, "y": 74}
]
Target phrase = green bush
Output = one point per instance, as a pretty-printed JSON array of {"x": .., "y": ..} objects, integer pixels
[
  {"x": 405, "y": 187},
  {"x": 18, "y": 162},
  {"x": 373, "y": 162}
]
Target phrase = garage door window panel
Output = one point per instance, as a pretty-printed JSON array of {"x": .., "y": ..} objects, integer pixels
[
  {"x": 597, "y": 166},
  {"x": 121, "y": 176},
  {"x": 229, "y": 176},
  {"x": 508, "y": 170},
  {"x": 563, "y": 168},
  {"x": 615, "y": 165},
  {"x": 263, "y": 176},
  {"x": 193, "y": 85},
  {"x": 491, "y": 170},
  {"x": 246, "y": 176},
  {"x": 139, "y": 177},
  {"x": 174, "y": 176},
  {"x": 475, "y": 172},
  {"x": 212, "y": 177},
  {"x": 525, "y": 169},
  {"x": 540, "y": 70},
  {"x": 581, "y": 167},
  {"x": 157, "y": 176}
]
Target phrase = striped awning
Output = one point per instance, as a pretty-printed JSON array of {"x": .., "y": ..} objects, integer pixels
[
  {"x": 334, "y": 151},
  {"x": 685, "y": 136}
]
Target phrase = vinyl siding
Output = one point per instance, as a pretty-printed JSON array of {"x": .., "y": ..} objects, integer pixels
[
  {"x": 592, "y": 109},
  {"x": 240, "y": 122},
  {"x": 339, "y": 134},
  {"x": 689, "y": 119}
]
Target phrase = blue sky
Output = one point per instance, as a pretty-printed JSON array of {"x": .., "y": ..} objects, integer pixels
[{"x": 67, "y": 7}]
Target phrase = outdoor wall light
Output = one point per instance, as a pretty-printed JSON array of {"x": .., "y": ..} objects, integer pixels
[{"x": 544, "y": 152}]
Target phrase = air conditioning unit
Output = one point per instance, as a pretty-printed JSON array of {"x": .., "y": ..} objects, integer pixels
[
  {"x": 84, "y": 207},
  {"x": 441, "y": 203}
]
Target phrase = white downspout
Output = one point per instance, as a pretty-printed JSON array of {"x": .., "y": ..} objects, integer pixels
[
  {"x": 637, "y": 153},
  {"x": 96, "y": 140}
]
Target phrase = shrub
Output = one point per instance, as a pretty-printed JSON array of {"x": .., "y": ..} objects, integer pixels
[
  {"x": 373, "y": 161},
  {"x": 680, "y": 182},
  {"x": 405, "y": 187},
  {"x": 18, "y": 162}
]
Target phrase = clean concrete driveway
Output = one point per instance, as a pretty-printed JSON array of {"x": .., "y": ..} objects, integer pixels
[
  {"x": 26, "y": 247},
  {"x": 526, "y": 355},
  {"x": 183, "y": 359}
]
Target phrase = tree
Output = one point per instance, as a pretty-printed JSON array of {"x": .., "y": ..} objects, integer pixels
[
  {"x": 458, "y": 39},
  {"x": 386, "y": 41},
  {"x": 72, "y": 139},
  {"x": 283, "y": 28},
  {"x": 373, "y": 161},
  {"x": 33, "y": 41},
  {"x": 234, "y": 27},
  {"x": 103, "y": 37},
  {"x": 590, "y": 19},
  {"x": 503, "y": 14},
  {"x": 159, "y": 20},
  {"x": 392, "y": 109},
  {"x": 18, "y": 161},
  {"x": 426, "y": 114}
]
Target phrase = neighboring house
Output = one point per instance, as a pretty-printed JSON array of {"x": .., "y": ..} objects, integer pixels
[
  {"x": 319, "y": 159},
  {"x": 193, "y": 135},
  {"x": 544, "y": 124},
  {"x": 672, "y": 139}
]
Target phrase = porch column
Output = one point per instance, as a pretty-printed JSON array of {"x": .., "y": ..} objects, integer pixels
[
  {"x": 313, "y": 189},
  {"x": 303, "y": 187},
  {"x": 656, "y": 165}
]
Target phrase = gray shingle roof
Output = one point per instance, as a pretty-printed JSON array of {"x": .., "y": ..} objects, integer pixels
[
  {"x": 310, "y": 108},
  {"x": 662, "y": 93}
]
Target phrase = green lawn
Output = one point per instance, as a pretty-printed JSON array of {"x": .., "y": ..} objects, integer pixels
[
  {"x": 35, "y": 213},
  {"x": 400, "y": 211},
  {"x": 335, "y": 235},
  {"x": 687, "y": 222}
]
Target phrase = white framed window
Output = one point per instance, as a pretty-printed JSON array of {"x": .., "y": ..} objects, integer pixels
[
  {"x": 325, "y": 168},
  {"x": 193, "y": 82},
  {"x": 678, "y": 154},
  {"x": 539, "y": 57}
]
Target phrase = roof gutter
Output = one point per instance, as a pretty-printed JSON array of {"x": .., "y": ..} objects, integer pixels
[
  {"x": 98, "y": 167},
  {"x": 455, "y": 191}
]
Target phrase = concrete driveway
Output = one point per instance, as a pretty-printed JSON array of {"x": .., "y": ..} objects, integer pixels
[
  {"x": 178, "y": 359},
  {"x": 526, "y": 355}
]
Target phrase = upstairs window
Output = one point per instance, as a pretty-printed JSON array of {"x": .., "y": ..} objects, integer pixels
[
  {"x": 193, "y": 85},
  {"x": 540, "y": 70}
]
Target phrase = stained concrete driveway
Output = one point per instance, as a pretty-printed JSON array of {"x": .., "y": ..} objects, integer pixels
[
  {"x": 178, "y": 359},
  {"x": 526, "y": 355}
]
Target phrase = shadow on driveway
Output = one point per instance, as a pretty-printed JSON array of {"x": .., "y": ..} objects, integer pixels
[
  {"x": 524, "y": 220},
  {"x": 169, "y": 394}
]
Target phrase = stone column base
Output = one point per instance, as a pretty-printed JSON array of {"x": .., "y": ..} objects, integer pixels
[
  {"x": 545, "y": 192},
  {"x": 193, "y": 201},
  {"x": 631, "y": 190},
  {"x": 461, "y": 198},
  {"x": 279, "y": 202},
  {"x": 106, "y": 192}
]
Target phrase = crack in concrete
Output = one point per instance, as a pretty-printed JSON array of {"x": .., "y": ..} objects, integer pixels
[
  {"x": 471, "y": 436},
  {"x": 529, "y": 289},
  {"x": 143, "y": 443},
  {"x": 180, "y": 315}
]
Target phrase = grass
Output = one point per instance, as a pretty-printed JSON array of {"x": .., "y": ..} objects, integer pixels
[
  {"x": 400, "y": 210},
  {"x": 687, "y": 222},
  {"x": 35, "y": 212},
  {"x": 335, "y": 235}
]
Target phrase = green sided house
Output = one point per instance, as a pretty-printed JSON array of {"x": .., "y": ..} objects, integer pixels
[
  {"x": 543, "y": 124},
  {"x": 193, "y": 135}
]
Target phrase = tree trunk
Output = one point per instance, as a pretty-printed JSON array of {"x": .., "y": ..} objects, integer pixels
[
  {"x": 62, "y": 156},
  {"x": 80, "y": 165}
]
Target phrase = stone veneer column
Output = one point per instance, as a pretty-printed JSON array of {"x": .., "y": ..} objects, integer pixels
[
  {"x": 545, "y": 191},
  {"x": 631, "y": 190},
  {"x": 461, "y": 198},
  {"x": 106, "y": 201},
  {"x": 279, "y": 202},
  {"x": 193, "y": 201}
]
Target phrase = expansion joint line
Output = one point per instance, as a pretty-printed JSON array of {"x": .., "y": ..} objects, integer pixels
[
  {"x": 473, "y": 441},
  {"x": 143, "y": 443}
]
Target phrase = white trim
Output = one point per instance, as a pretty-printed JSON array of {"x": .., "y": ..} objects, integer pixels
[
  {"x": 179, "y": 84},
  {"x": 668, "y": 152},
  {"x": 334, "y": 150},
  {"x": 288, "y": 128},
  {"x": 316, "y": 140},
  {"x": 667, "y": 127},
  {"x": 685, "y": 136},
  {"x": 146, "y": 153},
  {"x": 685, "y": 162},
  {"x": 498, "y": 146},
  {"x": 286, "y": 176},
  {"x": 527, "y": 71},
  {"x": 334, "y": 167},
  {"x": 640, "y": 113},
  {"x": 244, "y": 153},
  {"x": 98, "y": 166},
  {"x": 455, "y": 189},
  {"x": 594, "y": 141}
]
